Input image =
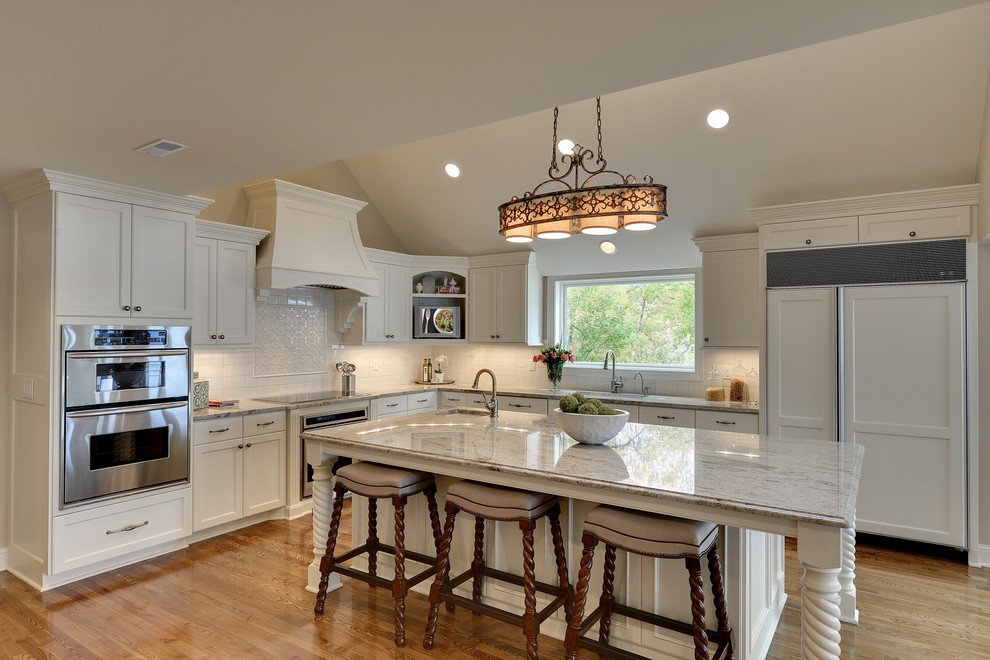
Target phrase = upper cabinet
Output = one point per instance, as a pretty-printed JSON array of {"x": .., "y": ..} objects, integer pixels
[
  {"x": 730, "y": 304},
  {"x": 918, "y": 215},
  {"x": 224, "y": 283},
  {"x": 385, "y": 318},
  {"x": 120, "y": 260},
  {"x": 504, "y": 293}
]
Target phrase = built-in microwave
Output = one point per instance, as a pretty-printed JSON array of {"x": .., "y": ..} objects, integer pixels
[{"x": 437, "y": 322}]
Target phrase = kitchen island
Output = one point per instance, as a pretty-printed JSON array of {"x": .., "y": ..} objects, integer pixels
[{"x": 760, "y": 488}]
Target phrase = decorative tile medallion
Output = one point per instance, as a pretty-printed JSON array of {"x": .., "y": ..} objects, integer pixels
[{"x": 291, "y": 339}]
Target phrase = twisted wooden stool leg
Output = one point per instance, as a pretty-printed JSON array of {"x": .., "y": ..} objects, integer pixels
[
  {"x": 558, "y": 549},
  {"x": 372, "y": 537},
  {"x": 698, "y": 608},
  {"x": 443, "y": 559},
  {"x": 530, "y": 626},
  {"x": 580, "y": 598},
  {"x": 431, "y": 505},
  {"x": 607, "y": 600},
  {"x": 400, "y": 586},
  {"x": 718, "y": 600},
  {"x": 478, "y": 564},
  {"x": 327, "y": 562}
]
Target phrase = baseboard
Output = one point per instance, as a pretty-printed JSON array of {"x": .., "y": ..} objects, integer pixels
[
  {"x": 985, "y": 555},
  {"x": 3, "y": 559}
]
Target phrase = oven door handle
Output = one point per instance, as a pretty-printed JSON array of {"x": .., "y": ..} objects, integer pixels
[
  {"x": 103, "y": 412},
  {"x": 89, "y": 355}
]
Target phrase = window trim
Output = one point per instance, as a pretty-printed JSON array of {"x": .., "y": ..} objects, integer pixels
[{"x": 555, "y": 312}]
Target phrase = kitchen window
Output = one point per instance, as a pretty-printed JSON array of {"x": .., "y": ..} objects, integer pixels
[{"x": 647, "y": 319}]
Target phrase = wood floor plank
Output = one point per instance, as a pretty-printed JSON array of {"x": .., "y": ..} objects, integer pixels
[{"x": 241, "y": 595}]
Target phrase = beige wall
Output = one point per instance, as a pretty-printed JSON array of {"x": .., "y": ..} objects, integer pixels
[
  {"x": 230, "y": 203},
  {"x": 5, "y": 343}
]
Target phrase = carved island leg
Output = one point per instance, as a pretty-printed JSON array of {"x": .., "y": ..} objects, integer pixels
[
  {"x": 323, "y": 483},
  {"x": 847, "y": 578},
  {"x": 820, "y": 552}
]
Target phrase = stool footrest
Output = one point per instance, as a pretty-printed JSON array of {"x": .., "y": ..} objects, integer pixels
[
  {"x": 379, "y": 581},
  {"x": 508, "y": 617}
]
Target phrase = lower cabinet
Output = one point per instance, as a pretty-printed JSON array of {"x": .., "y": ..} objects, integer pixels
[
  {"x": 238, "y": 467},
  {"x": 680, "y": 417},
  {"x": 535, "y": 405},
  {"x": 404, "y": 404},
  {"x": 727, "y": 421}
]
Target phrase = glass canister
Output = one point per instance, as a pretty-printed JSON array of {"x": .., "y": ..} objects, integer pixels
[
  {"x": 753, "y": 385},
  {"x": 714, "y": 388},
  {"x": 737, "y": 383}
]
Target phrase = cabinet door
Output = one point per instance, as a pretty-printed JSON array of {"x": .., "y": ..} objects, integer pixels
[
  {"x": 903, "y": 399},
  {"x": 511, "y": 300},
  {"x": 93, "y": 257},
  {"x": 482, "y": 292},
  {"x": 914, "y": 225},
  {"x": 680, "y": 417},
  {"x": 234, "y": 299},
  {"x": 801, "y": 363},
  {"x": 810, "y": 233},
  {"x": 161, "y": 264},
  {"x": 727, "y": 421},
  {"x": 204, "y": 327},
  {"x": 218, "y": 478},
  {"x": 524, "y": 404},
  {"x": 263, "y": 472},
  {"x": 729, "y": 298},
  {"x": 375, "y": 310},
  {"x": 398, "y": 303}
]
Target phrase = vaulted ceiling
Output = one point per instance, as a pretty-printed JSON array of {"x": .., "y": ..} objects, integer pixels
[{"x": 826, "y": 99}]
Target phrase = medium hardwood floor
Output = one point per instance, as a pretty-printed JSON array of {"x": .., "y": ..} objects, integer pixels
[{"x": 241, "y": 596}]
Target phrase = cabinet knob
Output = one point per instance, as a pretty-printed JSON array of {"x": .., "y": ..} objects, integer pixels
[
  {"x": 138, "y": 308},
  {"x": 808, "y": 242},
  {"x": 127, "y": 308},
  {"x": 706, "y": 338},
  {"x": 498, "y": 336},
  {"x": 249, "y": 444},
  {"x": 213, "y": 336},
  {"x": 493, "y": 336},
  {"x": 221, "y": 336},
  {"x": 913, "y": 234},
  {"x": 240, "y": 446}
]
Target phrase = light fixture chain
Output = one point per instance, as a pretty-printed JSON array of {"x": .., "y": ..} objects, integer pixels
[
  {"x": 553, "y": 145},
  {"x": 598, "y": 103}
]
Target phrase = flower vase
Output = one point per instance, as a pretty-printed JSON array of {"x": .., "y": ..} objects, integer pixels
[{"x": 555, "y": 372}]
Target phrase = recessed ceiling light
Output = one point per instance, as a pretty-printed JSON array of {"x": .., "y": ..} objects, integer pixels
[
  {"x": 608, "y": 247},
  {"x": 162, "y": 148},
  {"x": 566, "y": 147},
  {"x": 718, "y": 118},
  {"x": 453, "y": 171}
]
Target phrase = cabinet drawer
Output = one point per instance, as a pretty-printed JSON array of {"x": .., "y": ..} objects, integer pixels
[
  {"x": 87, "y": 537},
  {"x": 388, "y": 406},
  {"x": 421, "y": 401},
  {"x": 523, "y": 404},
  {"x": 460, "y": 400},
  {"x": 681, "y": 417},
  {"x": 727, "y": 421},
  {"x": 810, "y": 233},
  {"x": 270, "y": 422},
  {"x": 915, "y": 225},
  {"x": 214, "y": 430}
]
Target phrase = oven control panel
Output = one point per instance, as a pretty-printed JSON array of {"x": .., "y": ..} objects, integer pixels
[{"x": 115, "y": 337}]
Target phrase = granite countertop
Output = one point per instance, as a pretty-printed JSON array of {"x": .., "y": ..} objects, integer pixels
[
  {"x": 799, "y": 480},
  {"x": 250, "y": 406}
]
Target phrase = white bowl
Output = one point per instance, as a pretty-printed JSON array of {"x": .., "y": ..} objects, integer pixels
[{"x": 591, "y": 429}]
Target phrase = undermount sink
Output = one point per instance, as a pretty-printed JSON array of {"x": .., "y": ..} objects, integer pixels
[{"x": 464, "y": 411}]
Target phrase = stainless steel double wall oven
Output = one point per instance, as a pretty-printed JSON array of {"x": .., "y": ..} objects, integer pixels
[{"x": 126, "y": 410}]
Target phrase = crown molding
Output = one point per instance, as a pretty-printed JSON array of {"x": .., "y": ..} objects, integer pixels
[
  {"x": 224, "y": 231},
  {"x": 747, "y": 241}
]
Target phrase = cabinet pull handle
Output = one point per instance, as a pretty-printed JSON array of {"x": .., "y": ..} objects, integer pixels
[
  {"x": 913, "y": 234},
  {"x": 421, "y": 400},
  {"x": 220, "y": 430},
  {"x": 269, "y": 423},
  {"x": 672, "y": 417},
  {"x": 138, "y": 308},
  {"x": 519, "y": 405},
  {"x": 127, "y": 308},
  {"x": 391, "y": 405},
  {"x": 128, "y": 528},
  {"x": 718, "y": 421},
  {"x": 808, "y": 242},
  {"x": 455, "y": 400}
]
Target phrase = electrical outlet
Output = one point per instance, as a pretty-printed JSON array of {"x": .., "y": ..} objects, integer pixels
[
  {"x": 374, "y": 364},
  {"x": 532, "y": 366}
]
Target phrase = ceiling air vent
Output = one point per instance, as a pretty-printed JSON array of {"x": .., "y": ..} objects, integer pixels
[{"x": 162, "y": 148}]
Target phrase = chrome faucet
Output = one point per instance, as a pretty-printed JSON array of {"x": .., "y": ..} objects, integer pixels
[
  {"x": 490, "y": 406},
  {"x": 644, "y": 389},
  {"x": 616, "y": 380}
]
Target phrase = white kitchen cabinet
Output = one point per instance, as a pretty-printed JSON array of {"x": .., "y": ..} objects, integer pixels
[
  {"x": 534, "y": 405},
  {"x": 504, "y": 301},
  {"x": 120, "y": 260},
  {"x": 717, "y": 420},
  {"x": 460, "y": 400},
  {"x": 730, "y": 303},
  {"x": 921, "y": 225},
  {"x": 238, "y": 467},
  {"x": 660, "y": 416},
  {"x": 404, "y": 404},
  {"x": 224, "y": 282},
  {"x": 381, "y": 319},
  {"x": 810, "y": 233}
]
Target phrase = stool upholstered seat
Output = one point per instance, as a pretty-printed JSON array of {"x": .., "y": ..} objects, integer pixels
[
  {"x": 651, "y": 535},
  {"x": 373, "y": 481},
  {"x": 486, "y": 502}
]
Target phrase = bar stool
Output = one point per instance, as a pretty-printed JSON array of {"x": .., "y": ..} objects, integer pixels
[
  {"x": 486, "y": 502},
  {"x": 650, "y": 535},
  {"x": 373, "y": 481}
]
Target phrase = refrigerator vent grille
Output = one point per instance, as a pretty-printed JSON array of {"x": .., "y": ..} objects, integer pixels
[{"x": 886, "y": 263}]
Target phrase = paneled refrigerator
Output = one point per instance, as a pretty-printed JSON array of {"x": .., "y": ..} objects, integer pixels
[{"x": 882, "y": 364}]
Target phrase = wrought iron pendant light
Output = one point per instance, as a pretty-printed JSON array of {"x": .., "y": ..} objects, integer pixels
[{"x": 580, "y": 208}]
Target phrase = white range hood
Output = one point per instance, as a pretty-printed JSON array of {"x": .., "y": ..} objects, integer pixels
[{"x": 314, "y": 239}]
